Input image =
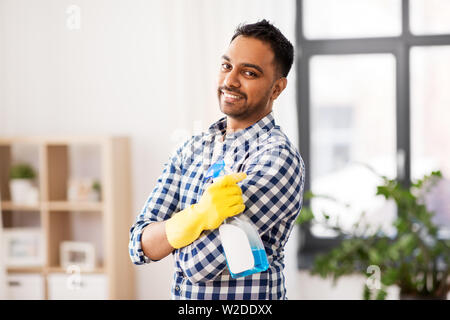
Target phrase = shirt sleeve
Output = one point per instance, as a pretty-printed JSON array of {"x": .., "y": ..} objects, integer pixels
[
  {"x": 273, "y": 191},
  {"x": 272, "y": 194},
  {"x": 160, "y": 205}
]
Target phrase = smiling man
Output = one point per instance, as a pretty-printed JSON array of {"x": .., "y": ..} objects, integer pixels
[
  {"x": 182, "y": 214},
  {"x": 250, "y": 79}
]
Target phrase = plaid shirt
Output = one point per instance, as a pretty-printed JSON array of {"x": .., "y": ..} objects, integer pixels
[{"x": 272, "y": 193}]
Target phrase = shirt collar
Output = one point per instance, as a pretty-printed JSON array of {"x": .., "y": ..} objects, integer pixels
[{"x": 263, "y": 125}]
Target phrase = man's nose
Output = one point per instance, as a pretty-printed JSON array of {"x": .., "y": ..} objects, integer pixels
[{"x": 232, "y": 79}]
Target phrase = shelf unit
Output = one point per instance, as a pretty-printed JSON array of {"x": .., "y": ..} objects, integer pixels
[{"x": 107, "y": 221}]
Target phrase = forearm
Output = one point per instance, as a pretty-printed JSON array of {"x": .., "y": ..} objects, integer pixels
[
  {"x": 203, "y": 260},
  {"x": 221, "y": 200},
  {"x": 154, "y": 241}
]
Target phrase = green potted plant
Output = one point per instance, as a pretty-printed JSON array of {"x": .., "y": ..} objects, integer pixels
[
  {"x": 21, "y": 184},
  {"x": 97, "y": 191},
  {"x": 416, "y": 259}
]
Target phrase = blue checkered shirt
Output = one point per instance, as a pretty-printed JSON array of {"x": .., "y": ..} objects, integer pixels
[{"x": 272, "y": 193}]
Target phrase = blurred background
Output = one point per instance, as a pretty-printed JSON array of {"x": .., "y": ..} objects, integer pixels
[{"x": 369, "y": 86}]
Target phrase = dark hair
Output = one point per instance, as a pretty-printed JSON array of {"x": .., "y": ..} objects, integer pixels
[{"x": 265, "y": 31}]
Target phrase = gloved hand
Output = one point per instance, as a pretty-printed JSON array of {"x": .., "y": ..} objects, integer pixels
[{"x": 221, "y": 200}]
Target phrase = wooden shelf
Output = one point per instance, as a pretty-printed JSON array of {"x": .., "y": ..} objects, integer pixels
[
  {"x": 53, "y": 206},
  {"x": 55, "y": 269},
  {"x": 9, "y": 205},
  {"x": 25, "y": 269},
  {"x": 74, "y": 206},
  {"x": 52, "y": 140},
  {"x": 62, "y": 270}
]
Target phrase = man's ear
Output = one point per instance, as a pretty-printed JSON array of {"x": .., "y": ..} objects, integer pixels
[{"x": 279, "y": 86}]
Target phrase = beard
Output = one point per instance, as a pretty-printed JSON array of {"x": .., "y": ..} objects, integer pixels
[{"x": 240, "y": 109}]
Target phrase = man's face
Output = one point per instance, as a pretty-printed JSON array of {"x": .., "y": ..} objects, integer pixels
[{"x": 246, "y": 78}]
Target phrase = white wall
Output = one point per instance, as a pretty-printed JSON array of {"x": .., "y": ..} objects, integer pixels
[{"x": 146, "y": 69}]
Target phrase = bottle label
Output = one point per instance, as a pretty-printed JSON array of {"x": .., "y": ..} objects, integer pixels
[
  {"x": 237, "y": 248},
  {"x": 215, "y": 170}
]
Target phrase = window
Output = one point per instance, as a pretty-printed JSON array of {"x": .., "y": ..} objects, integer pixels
[
  {"x": 331, "y": 19},
  {"x": 351, "y": 124},
  {"x": 372, "y": 81}
]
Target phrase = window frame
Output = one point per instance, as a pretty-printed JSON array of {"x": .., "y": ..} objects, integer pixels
[{"x": 399, "y": 46}]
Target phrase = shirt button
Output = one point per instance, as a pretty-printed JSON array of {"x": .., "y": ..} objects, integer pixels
[{"x": 177, "y": 288}]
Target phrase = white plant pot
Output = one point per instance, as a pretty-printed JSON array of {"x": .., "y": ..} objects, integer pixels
[
  {"x": 22, "y": 191},
  {"x": 94, "y": 196}
]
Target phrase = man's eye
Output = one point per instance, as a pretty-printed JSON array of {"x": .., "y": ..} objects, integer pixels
[
  {"x": 226, "y": 66},
  {"x": 250, "y": 73}
]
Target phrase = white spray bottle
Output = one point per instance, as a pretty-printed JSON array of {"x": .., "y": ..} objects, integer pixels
[{"x": 244, "y": 250}]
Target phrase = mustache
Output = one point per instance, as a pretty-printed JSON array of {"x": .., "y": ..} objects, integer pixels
[{"x": 232, "y": 91}]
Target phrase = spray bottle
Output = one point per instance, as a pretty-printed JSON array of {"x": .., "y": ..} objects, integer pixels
[{"x": 244, "y": 250}]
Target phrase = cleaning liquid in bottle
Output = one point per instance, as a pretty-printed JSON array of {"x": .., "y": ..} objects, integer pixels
[{"x": 244, "y": 250}]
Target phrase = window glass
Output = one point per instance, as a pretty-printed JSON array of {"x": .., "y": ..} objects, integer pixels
[
  {"x": 430, "y": 123},
  {"x": 330, "y": 19},
  {"x": 352, "y": 123},
  {"x": 429, "y": 16}
]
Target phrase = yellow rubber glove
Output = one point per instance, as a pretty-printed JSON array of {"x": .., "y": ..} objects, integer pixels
[{"x": 221, "y": 200}]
